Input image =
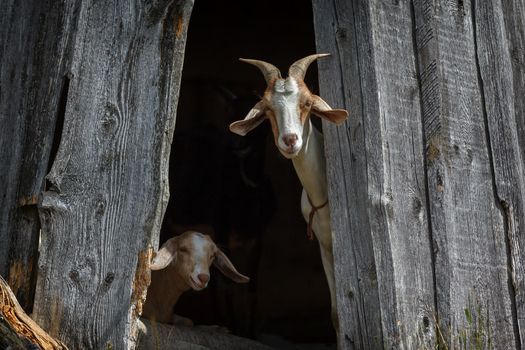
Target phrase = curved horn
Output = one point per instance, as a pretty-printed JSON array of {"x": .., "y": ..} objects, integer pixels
[
  {"x": 269, "y": 71},
  {"x": 298, "y": 69}
]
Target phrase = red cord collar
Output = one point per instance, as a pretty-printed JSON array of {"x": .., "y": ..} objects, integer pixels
[{"x": 309, "y": 230}]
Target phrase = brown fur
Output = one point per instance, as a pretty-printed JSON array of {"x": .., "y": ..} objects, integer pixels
[{"x": 173, "y": 273}]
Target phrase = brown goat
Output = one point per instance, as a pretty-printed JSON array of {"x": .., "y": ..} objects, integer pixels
[{"x": 183, "y": 263}]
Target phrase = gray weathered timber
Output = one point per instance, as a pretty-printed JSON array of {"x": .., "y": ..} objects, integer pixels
[
  {"x": 32, "y": 79},
  {"x": 468, "y": 220},
  {"x": 356, "y": 280},
  {"x": 377, "y": 184},
  {"x": 451, "y": 74},
  {"x": 500, "y": 34},
  {"x": 108, "y": 184}
]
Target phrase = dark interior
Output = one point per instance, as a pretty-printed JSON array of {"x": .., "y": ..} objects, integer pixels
[{"x": 240, "y": 190}]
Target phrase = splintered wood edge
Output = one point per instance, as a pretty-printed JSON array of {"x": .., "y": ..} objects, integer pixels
[
  {"x": 141, "y": 281},
  {"x": 21, "y": 323}
]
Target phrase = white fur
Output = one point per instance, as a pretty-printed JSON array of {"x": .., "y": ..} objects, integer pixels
[
  {"x": 310, "y": 165},
  {"x": 307, "y": 154},
  {"x": 285, "y": 101},
  {"x": 199, "y": 247},
  {"x": 200, "y": 251}
]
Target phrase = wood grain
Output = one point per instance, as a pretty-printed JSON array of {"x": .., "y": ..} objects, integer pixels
[
  {"x": 376, "y": 167},
  {"x": 108, "y": 185},
  {"x": 426, "y": 177},
  {"x": 468, "y": 221},
  {"x": 500, "y": 33},
  {"x": 32, "y": 76}
]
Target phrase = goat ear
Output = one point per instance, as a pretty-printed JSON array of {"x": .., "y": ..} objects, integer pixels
[
  {"x": 321, "y": 109},
  {"x": 251, "y": 121},
  {"x": 226, "y": 267},
  {"x": 166, "y": 254}
]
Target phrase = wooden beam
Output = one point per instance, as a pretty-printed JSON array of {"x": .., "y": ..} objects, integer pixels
[
  {"x": 108, "y": 184},
  {"x": 500, "y": 39},
  {"x": 467, "y": 218},
  {"x": 32, "y": 67},
  {"x": 427, "y": 181},
  {"x": 376, "y": 174}
]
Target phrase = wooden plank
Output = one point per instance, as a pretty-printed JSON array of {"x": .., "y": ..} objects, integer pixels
[
  {"x": 356, "y": 281},
  {"x": 108, "y": 184},
  {"x": 377, "y": 180},
  {"x": 32, "y": 74},
  {"x": 468, "y": 225},
  {"x": 500, "y": 34}
]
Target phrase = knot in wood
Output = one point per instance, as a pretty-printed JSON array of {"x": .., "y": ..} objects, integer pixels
[
  {"x": 416, "y": 205},
  {"x": 109, "y": 278},
  {"x": 347, "y": 337},
  {"x": 74, "y": 275},
  {"x": 100, "y": 206},
  {"x": 109, "y": 120},
  {"x": 426, "y": 324},
  {"x": 340, "y": 32}
]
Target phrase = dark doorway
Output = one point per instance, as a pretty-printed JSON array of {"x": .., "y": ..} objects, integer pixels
[{"x": 241, "y": 190}]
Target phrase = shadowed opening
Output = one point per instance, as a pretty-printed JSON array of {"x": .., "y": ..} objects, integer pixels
[{"x": 240, "y": 190}]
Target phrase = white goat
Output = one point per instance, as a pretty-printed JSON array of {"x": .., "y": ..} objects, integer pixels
[
  {"x": 180, "y": 264},
  {"x": 288, "y": 103}
]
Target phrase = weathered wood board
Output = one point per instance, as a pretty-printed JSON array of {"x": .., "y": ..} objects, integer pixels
[
  {"x": 427, "y": 177},
  {"x": 382, "y": 241},
  {"x": 32, "y": 81},
  {"x": 427, "y": 180},
  {"x": 500, "y": 34},
  {"x": 468, "y": 223},
  {"x": 107, "y": 187}
]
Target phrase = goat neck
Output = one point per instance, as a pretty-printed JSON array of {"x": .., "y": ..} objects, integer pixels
[
  {"x": 164, "y": 292},
  {"x": 310, "y": 165}
]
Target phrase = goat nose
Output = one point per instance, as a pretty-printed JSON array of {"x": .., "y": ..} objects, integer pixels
[
  {"x": 203, "y": 277},
  {"x": 290, "y": 139}
]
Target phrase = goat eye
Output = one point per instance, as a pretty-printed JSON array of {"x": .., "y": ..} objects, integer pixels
[{"x": 184, "y": 250}]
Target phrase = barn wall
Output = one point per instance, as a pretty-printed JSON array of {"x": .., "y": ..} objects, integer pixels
[
  {"x": 32, "y": 75},
  {"x": 109, "y": 71},
  {"x": 427, "y": 181}
]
